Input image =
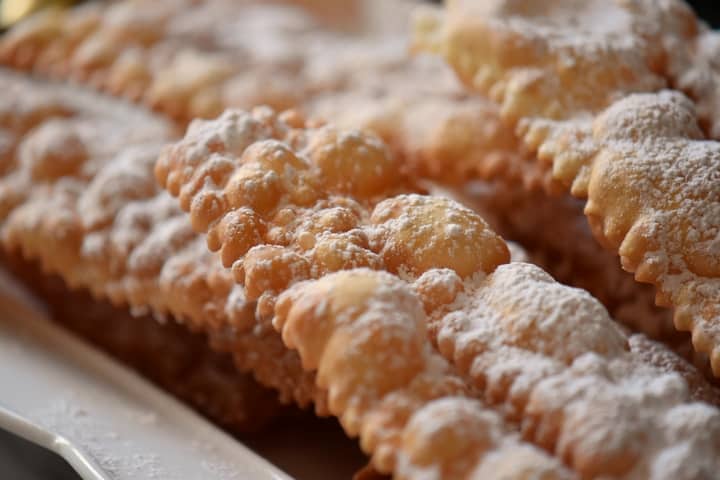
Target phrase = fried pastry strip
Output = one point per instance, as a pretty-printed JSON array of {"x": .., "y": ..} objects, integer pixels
[
  {"x": 78, "y": 196},
  {"x": 364, "y": 333},
  {"x": 175, "y": 55},
  {"x": 414, "y": 105},
  {"x": 544, "y": 355},
  {"x": 282, "y": 203},
  {"x": 552, "y": 232},
  {"x": 181, "y": 57},
  {"x": 640, "y": 159},
  {"x": 555, "y": 233},
  {"x": 562, "y": 62},
  {"x": 318, "y": 227},
  {"x": 192, "y": 62},
  {"x": 439, "y": 131}
]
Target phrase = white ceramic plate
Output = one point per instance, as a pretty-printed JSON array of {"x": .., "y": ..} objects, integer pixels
[{"x": 106, "y": 421}]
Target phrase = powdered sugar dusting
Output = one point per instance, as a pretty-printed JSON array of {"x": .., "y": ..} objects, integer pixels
[
  {"x": 110, "y": 229},
  {"x": 317, "y": 207},
  {"x": 652, "y": 149},
  {"x": 541, "y": 353},
  {"x": 523, "y": 339},
  {"x": 639, "y": 158},
  {"x": 66, "y": 416},
  {"x": 364, "y": 331}
]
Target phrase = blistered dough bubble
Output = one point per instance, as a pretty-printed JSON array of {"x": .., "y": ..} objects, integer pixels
[
  {"x": 353, "y": 163},
  {"x": 53, "y": 150},
  {"x": 422, "y": 232}
]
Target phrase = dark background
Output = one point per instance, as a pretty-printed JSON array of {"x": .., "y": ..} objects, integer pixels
[{"x": 707, "y": 9}]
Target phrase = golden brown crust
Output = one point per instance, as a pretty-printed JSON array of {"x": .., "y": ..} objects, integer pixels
[
  {"x": 439, "y": 131},
  {"x": 387, "y": 384},
  {"x": 530, "y": 59},
  {"x": 282, "y": 203},
  {"x": 540, "y": 353},
  {"x": 286, "y": 201},
  {"x": 666, "y": 229},
  {"x": 640, "y": 161},
  {"x": 556, "y": 236},
  {"x": 355, "y": 80},
  {"x": 107, "y": 227},
  {"x": 183, "y": 58},
  {"x": 176, "y": 55},
  {"x": 315, "y": 206},
  {"x": 553, "y": 233}
]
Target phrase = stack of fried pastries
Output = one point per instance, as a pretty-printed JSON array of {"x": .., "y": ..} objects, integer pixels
[
  {"x": 88, "y": 208},
  {"x": 641, "y": 154},
  {"x": 309, "y": 239},
  {"x": 360, "y": 80}
]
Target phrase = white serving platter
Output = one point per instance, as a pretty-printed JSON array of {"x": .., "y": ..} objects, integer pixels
[{"x": 106, "y": 421}]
